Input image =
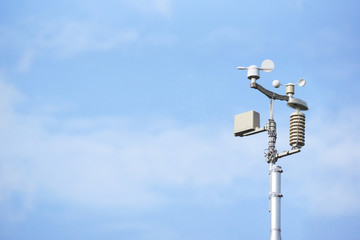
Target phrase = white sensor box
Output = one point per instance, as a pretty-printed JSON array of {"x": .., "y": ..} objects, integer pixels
[{"x": 246, "y": 123}]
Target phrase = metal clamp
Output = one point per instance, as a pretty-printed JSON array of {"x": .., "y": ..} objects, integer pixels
[
  {"x": 276, "y": 169},
  {"x": 274, "y": 194}
]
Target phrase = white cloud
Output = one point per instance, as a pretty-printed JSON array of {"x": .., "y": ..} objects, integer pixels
[
  {"x": 162, "y": 7},
  {"x": 9, "y": 97},
  {"x": 68, "y": 37},
  {"x": 62, "y": 37},
  {"x": 115, "y": 166},
  {"x": 26, "y": 61},
  {"x": 299, "y": 4},
  {"x": 112, "y": 162}
]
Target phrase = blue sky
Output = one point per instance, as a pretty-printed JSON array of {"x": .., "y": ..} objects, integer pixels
[{"x": 116, "y": 119}]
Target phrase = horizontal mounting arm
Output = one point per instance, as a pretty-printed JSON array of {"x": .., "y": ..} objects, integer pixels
[
  {"x": 287, "y": 153},
  {"x": 257, "y": 130},
  {"x": 269, "y": 93}
]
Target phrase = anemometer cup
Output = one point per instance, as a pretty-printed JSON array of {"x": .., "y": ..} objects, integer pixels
[{"x": 253, "y": 73}]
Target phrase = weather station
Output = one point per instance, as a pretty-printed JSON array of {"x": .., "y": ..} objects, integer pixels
[{"x": 248, "y": 123}]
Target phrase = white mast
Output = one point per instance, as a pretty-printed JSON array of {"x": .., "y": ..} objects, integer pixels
[{"x": 249, "y": 123}]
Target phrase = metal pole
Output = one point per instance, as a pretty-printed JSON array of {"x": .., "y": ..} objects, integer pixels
[
  {"x": 275, "y": 202},
  {"x": 271, "y": 109},
  {"x": 275, "y": 179},
  {"x": 271, "y": 154},
  {"x": 296, "y": 140}
]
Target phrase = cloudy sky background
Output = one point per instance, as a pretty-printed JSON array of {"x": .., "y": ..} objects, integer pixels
[{"x": 116, "y": 119}]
